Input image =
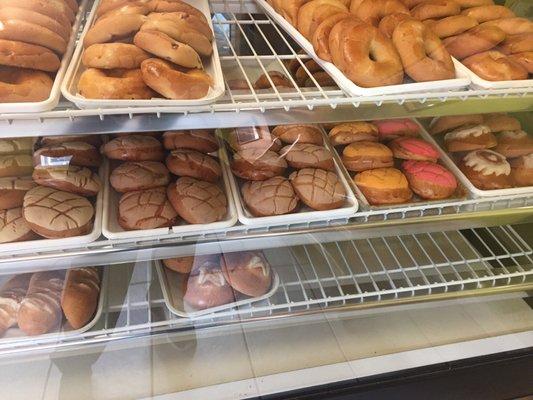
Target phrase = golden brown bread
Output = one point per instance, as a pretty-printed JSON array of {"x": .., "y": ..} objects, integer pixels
[
  {"x": 11, "y": 296},
  {"x": 80, "y": 295}
]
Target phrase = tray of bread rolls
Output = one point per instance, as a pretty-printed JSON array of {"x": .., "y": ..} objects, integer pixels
[
  {"x": 491, "y": 154},
  {"x": 165, "y": 184},
  {"x": 285, "y": 175},
  {"x": 156, "y": 53},
  {"x": 345, "y": 39},
  {"x": 204, "y": 284},
  {"x": 51, "y": 304},
  {"x": 36, "y": 44},
  {"x": 51, "y": 192}
]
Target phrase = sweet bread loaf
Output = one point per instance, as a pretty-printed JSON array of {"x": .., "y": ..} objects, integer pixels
[
  {"x": 247, "y": 272},
  {"x": 71, "y": 153},
  {"x": 13, "y": 189},
  {"x": 184, "y": 162},
  {"x": 70, "y": 178},
  {"x": 146, "y": 209},
  {"x": 306, "y": 155},
  {"x": 13, "y": 226},
  {"x": 202, "y": 140},
  {"x": 11, "y": 296},
  {"x": 274, "y": 196},
  {"x": 139, "y": 175},
  {"x": 318, "y": 189},
  {"x": 134, "y": 148},
  {"x": 257, "y": 165},
  {"x": 16, "y": 165},
  {"x": 16, "y": 146},
  {"x": 80, "y": 294}
]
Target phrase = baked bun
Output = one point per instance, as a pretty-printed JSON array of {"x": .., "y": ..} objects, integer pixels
[
  {"x": 184, "y": 162},
  {"x": 139, "y": 175},
  {"x": 16, "y": 146},
  {"x": 274, "y": 196},
  {"x": 501, "y": 122},
  {"x": 514, "y": 144},
  {"x": 202, "y": 140},
  {"x": 146, "y": 209},
  {"x": 429, "y": 180},
  {"x": 13, "y": 226},
  {"x": 360, "y": 156},
  {"x": 95, "y": 140},
  {"x": 253, "y": 137},
  {"x": 134, "y": 148},
  {"x": 486, "y": 169},
  {"x": 15, "y": 165},
  {"x": 298, "y": 134},
  {"x": 451, "y": 122},
  {"x": 247, "y": 272},
  {"x": 257, "y": 165},
  {"x": 522, "y": 170},
  {"x": 318, "y": 189},
  {"x": 57, "y": 214},
  {"x": 69, "y": 178},
  {"x": 384, "y": 186},
  {"x": 197, "y": 202},
  {"x": 351, "y": 132},
  {"x": 208, "y": 288},
  {"x": 414, "y": 149},
  {"x": 305, "y": 155},
  {"x": 70, "y": 153},
  {"x": 394, "y": 128},
  {"x": 469, "y": 138},
  {"x": 13, "y": 189}
]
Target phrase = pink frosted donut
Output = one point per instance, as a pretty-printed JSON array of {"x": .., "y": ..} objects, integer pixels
[
  {"x": 408, "y": 148},
  {"x": 429, "y": 180},
  {"x": 390, "y": 129}
]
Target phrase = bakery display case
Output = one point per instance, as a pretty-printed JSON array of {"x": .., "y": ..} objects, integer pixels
[{"x": 281, "y": 231}]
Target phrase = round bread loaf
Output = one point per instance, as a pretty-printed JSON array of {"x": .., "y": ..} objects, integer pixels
[
  {"x": 16, "y": 146},
  {"x": 257, "y": 165},
  {"x": 207, "y": 289},
  {"x": 275, "y": 196},
  {"x": 202, "y": 140},
  {"x": 318, "y": 189},
  {"x": 70, "y": 153},
  {"x": 13, "y": 189},
  {"x": 56, "y": 214},
  {"x": 197, "y": 202},
  {"x": 134, "y": 148},
  {"x": 184, "y": 162},
  {"x": 139, "y": 175},
  {"x": 247, "y": 272},
  {"x": 298, "y": 134},
  {"x": 146, "y": 209},
  {"x": 13, "y": 226},
  {"x": 70, "y": 178},
  {"x": 16, "y": 165},
  {"x": 306, "y": 155}
]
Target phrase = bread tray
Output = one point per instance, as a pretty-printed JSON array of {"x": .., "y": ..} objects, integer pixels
[
  {"x": 211, "y": 65},
  {"x": 14, "y": 334},
  {"x": 172, "y": 282},
  {"x": 305, "y": 215},
  {"x": 55, "y": 93},
  {"x": 460, "y": 81}
]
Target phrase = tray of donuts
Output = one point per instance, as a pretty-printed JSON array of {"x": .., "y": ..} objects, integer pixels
[
  {"x": 51, "y": 304},
  {"x": 491, "y": 154},
  {"x": 50, "y": 192},
  {"x": 389, "y": 164},
  {"x": 166, "y": 184},
  {"x": 286, "y": 175},
  {"x": 354, "y": 41},
  {"x": 204, "y": 284},
  {"x": 37, "y": 40},
  {"x": 149, "y": 53}
]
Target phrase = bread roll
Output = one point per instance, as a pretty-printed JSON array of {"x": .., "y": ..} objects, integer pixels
[
  {"x": 134, "y": 148},
  {"x": 13, "y": 189},
  {"x": 183, "y": 162},
  {"x": 70, "y": 178},
  {"x": 16, "y": 165},
  {"x": 247, "y": 272},
  {"x": 13, "y": 226},
  {"x": 16, "y": 146},
  {"x": 202, "y": 140},
  {"x": 80, "y": 295},
  {"x": 11, "y": 296},
  {"x": 146, "y": 209},
  {"x": 139, "y": 175}
]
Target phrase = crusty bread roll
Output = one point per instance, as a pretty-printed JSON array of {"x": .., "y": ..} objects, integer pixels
[
  {"x": 16, "y": 165},
  {"x": 13, "y": 189},
  {"x": 70, "y": 178},
  {"x": 80, "y": 295}
]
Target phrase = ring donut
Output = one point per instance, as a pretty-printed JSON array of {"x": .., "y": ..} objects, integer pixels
[
  {"x": 159, "y": 6},
  {"x": 35, "y": 18},
  {"x": 113, "y": 56},
  {"x": 24, "y": 55},
  {"x": 113, "y": 84},
  {"x": 389, "y": 22},
  {"x": 321, "y": 35},
  {"x": 113, "y": 28},
  {"x": 423, "y": 55},
  {"x": 517, "y": 43},
  {"x": 312, "y": 13},
  {"x": 165, "y": 47},
  {"x": 488, "y": 13},
  {"x": 127, "y": 9},
  {"x": 27, "y": 32},
  {"x": 24, "y": 85},
  {"x": 495, "y": 66},
  {"x": 451, "y": 26},
  {"x": 54, "y": 9},
  {"x": 372, "y": 11},
  {"x": 525, "y": 59},
  {"x": 512, "y": 26},
  {"x": 476, "y": 40},
  {"x": 474, "y": 3},
  {"x": 174, "y": 84},
  {"x": 435, "y": 9}
]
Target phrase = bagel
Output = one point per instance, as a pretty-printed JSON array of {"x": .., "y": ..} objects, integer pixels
[
  {"x": 35, "y": 18},
  {"x": 517, "y": 43},
  {"x": 321, "y": 35},
  {"x": 24, "y": 55},
  {"x": 435, "y": 9},
  {"x": 511, "y": 26},
  {"x": 424, "y": 57},
  {"x": 311, "y": 14},
  {"x": 372, "y": 11},
  {"x": 27, "y": 32},
  {"x": 389, "y": 22},
  {"x": 451, "y": 26},
  {"x": 473, "y": 41},
  {"x": 474, "y": 3},
  {"x": 174, "y": 84},
  {"x": 488, "y": 13},
  {"x": 525, "y": 59},
  {"x": 113, "y": 28},
  {"x": 19, "y": 85},
  {"x": 160, "y": 6},
  {"x": 334, "y": 40},
  {"x": 412, "y": 3},
  {"x": 165, "y": 47},
  {"x": 288, "y": 9},
  {"x": 54, "y": 9},
  {"x": 113, "y": 84},
  {"x": 199, "y": 24},
  {"x": 126, "y": 9},
  {"x": 113, "y": 56},
  {"x": 495, "y": 66},
  {"x": 106, "y": 6}
]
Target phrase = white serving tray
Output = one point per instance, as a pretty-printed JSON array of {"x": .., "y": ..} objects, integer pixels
[
  {"x": 305, "y": 214},
  {"x": 461, "y": 80},
  {"x": 211, "y": 65},
  {"x": 55, "y": 93},
  {"x": 477, "y": 82},
  {"x": 172, "y": 282},
  {"x": 14, "y": 334}
]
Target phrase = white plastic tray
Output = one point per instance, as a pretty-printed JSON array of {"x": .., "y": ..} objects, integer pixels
[
  {"x": 55, "y": 93},
  {"x": 305, "y": 214},
  {"x": 211, "y": 65},
  {"x": 480, "y": 83},
  {"x": 461, "y": 80},
  {"x": 14, "y": 334},
  {"x": 171, "y": 283}
]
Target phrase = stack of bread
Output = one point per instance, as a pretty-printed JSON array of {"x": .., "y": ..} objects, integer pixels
[
  {"x": 144, "y": 49},
  {"x": 33, "y": 38},
  {"x": 217, "y": 279},
  {"x": 150, "y": 197},
  {"x": 373, "y": 150},
  {"x": 283, "y": 167},
  {"x": 37, "y": 302},
  {"x": 492, "y": 150}
]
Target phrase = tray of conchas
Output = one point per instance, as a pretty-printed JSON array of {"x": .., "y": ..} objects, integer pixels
[
  {"x": 491, "y": 154},
  {"x": 154, "y": 53},
  {"x": 371, "y": 47},
  {"x": 390, "y": 164},
  {"x": 37, "y": 40}
]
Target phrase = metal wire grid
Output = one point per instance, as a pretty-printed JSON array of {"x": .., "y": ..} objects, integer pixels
[{"x": 348, "y": 274}]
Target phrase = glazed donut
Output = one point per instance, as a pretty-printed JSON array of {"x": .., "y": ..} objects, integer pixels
[
  {"x": 389, "y": 22},
  {"x": 511, "y": 26},
  {"x": 451, "y": 26},
  {"x": 423, "y": 55},
  {"x": 54, "y": 9},
  {"x": 24, "y": 55},
  {"x": 23, "y": 85},
  {"x": 311, "y": 14},
  {"x": 435, "y": 9},
  {"x": 27, "y": 32},
  {"x": 486, "y": 169},
  {"x": 525, "y": 59},
  {"x": 165, "y": 47},
  {"x": 473, "y": 41},
  {"x": 321, "y": 35},
  {"x": 113, "y": 56},
  {"x": 130, "y": 8},
  {"x": 35, "y": 18},
  {"x": 113, "y": 28},
  {"x": 517, "y": 43},
  {"x": 113, "y": 84},
  {"x": 488, "y": 13},
  {"x": 372, "y": 11},
  {"x": 474, "y": 3},
  {"x": 166, "y": 6},
  {"x": 495, "y": 66},
  {"x": 172, "y": 83}
]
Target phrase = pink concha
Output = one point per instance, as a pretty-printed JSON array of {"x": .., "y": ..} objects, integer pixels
[
  {"x": 394, "y": 126},
  {"x": 418, "y": 146},
  {"x": 429, "y": 171}
]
